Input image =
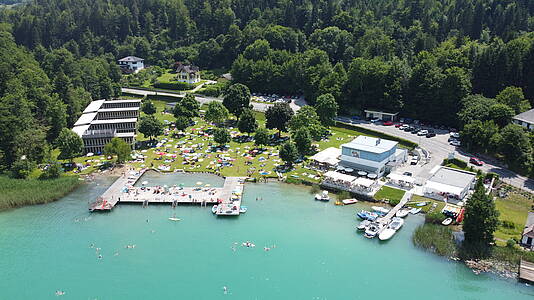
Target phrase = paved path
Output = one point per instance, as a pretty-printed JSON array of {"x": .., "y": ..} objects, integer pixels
[{"x": 439, "y": 149}]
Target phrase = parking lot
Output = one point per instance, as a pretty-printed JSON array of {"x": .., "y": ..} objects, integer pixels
[{"x": 273, "y": 98}]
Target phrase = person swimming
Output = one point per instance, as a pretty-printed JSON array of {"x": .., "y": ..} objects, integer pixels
[
  {"x": 60, "y": 293},
  {"x": 225, "y": 289}
]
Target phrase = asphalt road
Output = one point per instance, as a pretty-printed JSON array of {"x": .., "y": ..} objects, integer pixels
[{"x": 440, "y": 149}]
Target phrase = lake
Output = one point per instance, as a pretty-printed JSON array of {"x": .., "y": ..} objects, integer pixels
[{"x": 315, "y": 253}]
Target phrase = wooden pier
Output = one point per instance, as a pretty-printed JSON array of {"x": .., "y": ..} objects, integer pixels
[
  {"x": 228, "y": 197},
  {"x": 526, "y": 271},
  {"x": 385, "y": 220}
]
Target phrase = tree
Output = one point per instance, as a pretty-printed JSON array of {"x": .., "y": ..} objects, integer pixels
[
  {"x": 187, "y": 107},
  {"x": 52, "y": 170},
  {"x": 475, "y": 107},
  {"x": 150, "y": 126},
  {"x": 182, "y": 123},
  {"x": 326, "y": 107},
  {"x": 148, "y": 107},
  {"x": 69, "y": 143},
  {"x": 237, "y": 98},
  {"x": 478, "y": 135},
  {"x": 22, "y": 168},
  {"x": 221, "y": 136},
  {"x": 513, "y": 97},
  {"x": 288, "y": 153},
  {"x": 119, "y": 147},
  {"x": 216, "y": 113},
  {"x": 261, "y": 137},
  {"x": 303, "y": 141},
  {"x": 480, "y": 222},
  {"x": 277, "y": 116},
  {"x": 515, "y": 146},
  {"x": 501, "y": 114},
  {"x": 31, "y": 144},
  {"x": 247, "y": 122},
  {"x": 307, "y": 117}
]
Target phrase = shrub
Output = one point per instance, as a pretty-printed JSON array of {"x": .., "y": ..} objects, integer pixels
[
  {"x": 510, "y": 243},
  {"x": 22, "y": 168},
  {"x": 507, "y": 224},
  {"x": 52, "y": 171},
  {"x": 435, "y": 217},
  {"x": 180, "y": 86},
  {"x": 459, "y": 163}
]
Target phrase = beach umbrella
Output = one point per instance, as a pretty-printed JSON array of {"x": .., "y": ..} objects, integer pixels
[
  {"x": 207, "y": 185},
  {"x": 199, "y": 182},
  {"x": 90, "y": 154},
  {"x": 144, "y": 182}
]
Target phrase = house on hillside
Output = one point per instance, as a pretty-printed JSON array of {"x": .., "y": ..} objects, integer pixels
[
  {"x": 525, "y": 119},
  {"x": 187, "y": 73},
  {"x": 527, "y": 238},
  {"x": 372, "y": 155},
  {"x": 131, "y": 64}
]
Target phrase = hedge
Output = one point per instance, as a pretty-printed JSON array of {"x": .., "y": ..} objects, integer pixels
[
  {"x": 455, "y": 161},
  {"x": 180, "y": 86},
  {"x": 406, "y": 143}
]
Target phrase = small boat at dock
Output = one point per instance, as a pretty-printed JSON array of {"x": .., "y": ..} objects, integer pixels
[
  {"x": 349, "y": 201},
  {"x": 415, "y": 211},
  {"x": 421, "y": 204},
  {"x": 363, "y": 224},
  {"x": 214, "y": 209},
  {"x": 367, "y": 215},
  {"x": 243, "y": 209},
  {"x": 447, "y": 222},
  {"x": 373, "y": 230},
  {"x": 380, "y": 209},
  {"x": 391, "y": 229},
  {"x": 402, "y": 213},
  {"x": 323, "y": 196},
  {"x": 174, "y": 219}
]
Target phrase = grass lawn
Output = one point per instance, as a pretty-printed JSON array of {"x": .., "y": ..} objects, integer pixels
[
  {"x": 514, "y": 208},
  {"x": 167, "y": 77},
  {"x": 389, "y": 193},
  {"x": 416, "y": 199}
]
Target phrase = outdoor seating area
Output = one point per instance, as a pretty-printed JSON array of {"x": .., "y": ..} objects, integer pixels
[
  {"x": 326, "y": 159},
  {"x": 402, "y": 181},
  {"x": 361, "y": 185}
]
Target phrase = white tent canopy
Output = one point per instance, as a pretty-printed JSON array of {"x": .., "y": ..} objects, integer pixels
[
  {"x": 398, "y": 177},
  {"x": 338, "y": 176},
  {"x": 367, "y": 183},
  {"x": 443, "y": 188},
  {"x": 328, "y": 156}
]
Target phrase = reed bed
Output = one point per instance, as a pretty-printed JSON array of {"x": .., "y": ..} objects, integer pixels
[
  {"x": 21, "y": 192},
  {"x": 436, "y": 238}
]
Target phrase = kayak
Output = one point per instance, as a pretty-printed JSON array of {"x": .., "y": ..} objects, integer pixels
[
  {"x": 447, "y": 222},
  {"x": 174, "y": 219}
]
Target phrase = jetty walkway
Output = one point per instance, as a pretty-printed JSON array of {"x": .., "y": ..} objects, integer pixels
[
  {"x": 228, "y": 197},
  {"x": 385, "y": 220}
]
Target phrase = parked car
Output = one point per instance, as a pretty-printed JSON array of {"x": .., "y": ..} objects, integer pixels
[
  {"x": 398, "y": 125},
  {"x": 387, "y": 123},
  {"x": 476, "y": 161},
  {"x": 422, "y": 132},
  {"x": 408, "y": 129},
  {"x": 407, "y": 173},
  {"x": 415, "y": 160},
  {"x": 375, "y": 120},
  {"x": 456, "y": 143},
  {"x": 404, "y": 126},
  {"x": 430, "y": 134},
  {"x": 415, "y": 130},
  {"x": 455, "y": 135}
]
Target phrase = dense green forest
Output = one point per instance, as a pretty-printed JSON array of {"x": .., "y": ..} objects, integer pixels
[{"x": 429, "y": 59}]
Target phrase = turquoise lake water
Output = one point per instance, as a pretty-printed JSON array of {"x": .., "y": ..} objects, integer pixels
[{"x": 318, "y": 254}]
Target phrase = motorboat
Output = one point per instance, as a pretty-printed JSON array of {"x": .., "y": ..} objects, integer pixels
[
  {"x": 214, "y": 209},
  {"x": 391, "y": 229},
  {"x": 415, "y": 211},
  {"x": 323, "y": 196},
  {"x": 373, "y": 230},
  {"x": 421, "y": 204},
  {"x": 380, "y": 209},
  {"x": 174, "y": 219},
  {"x": 367, "y": 215},
  {"x": 447, "y": 222},
  {"x": 243, "y": 209},
  {"x": 363, "y": 224},
  {"x": 349, "y": 201},
  {"x": 402, "y": 213}
]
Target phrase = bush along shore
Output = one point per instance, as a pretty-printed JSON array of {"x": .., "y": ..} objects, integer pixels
[{"x": 22, "y": 192}]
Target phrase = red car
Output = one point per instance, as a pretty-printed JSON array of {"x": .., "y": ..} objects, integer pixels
[
  {"x": 398, "y": 125},
  {"x": 387, "y": 123},
  {"x": 476, "y": 161}
]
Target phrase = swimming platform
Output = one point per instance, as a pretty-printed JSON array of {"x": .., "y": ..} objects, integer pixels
[{"x": 123, "y": 190}]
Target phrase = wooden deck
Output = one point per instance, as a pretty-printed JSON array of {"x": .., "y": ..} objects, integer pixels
[
  {"x": 122, "y": 190},
  {"x": 387, "y": 218},
  {"x": 526, "y": 271}
]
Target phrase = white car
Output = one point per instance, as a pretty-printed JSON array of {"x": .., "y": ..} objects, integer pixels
[
  {"x": 374, "y": 120},
  {"x": 414, "y": 160},
  {"x": 456, "y": 143},
  {"x": 422, "y": 132},
  {"x": 455, "y": 135},
  {"x": 402, "y": 127}
]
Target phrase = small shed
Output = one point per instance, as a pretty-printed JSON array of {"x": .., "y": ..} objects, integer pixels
[
  {"x": 382, "y": 115},
  {"x": 527, "y": 238}
]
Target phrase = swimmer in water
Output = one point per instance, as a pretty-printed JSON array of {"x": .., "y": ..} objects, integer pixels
[
  {"x": 100, "y": 256},
  {"x": 92, "y": 246},
  {"x": 60, "y": 293},
  {"x": 225, "y": 289}
]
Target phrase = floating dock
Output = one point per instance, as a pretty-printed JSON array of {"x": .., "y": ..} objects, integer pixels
[{"x": 228, "y": 197}]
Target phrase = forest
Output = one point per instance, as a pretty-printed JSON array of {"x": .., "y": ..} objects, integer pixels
[{"x": 433, "y": 60}]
